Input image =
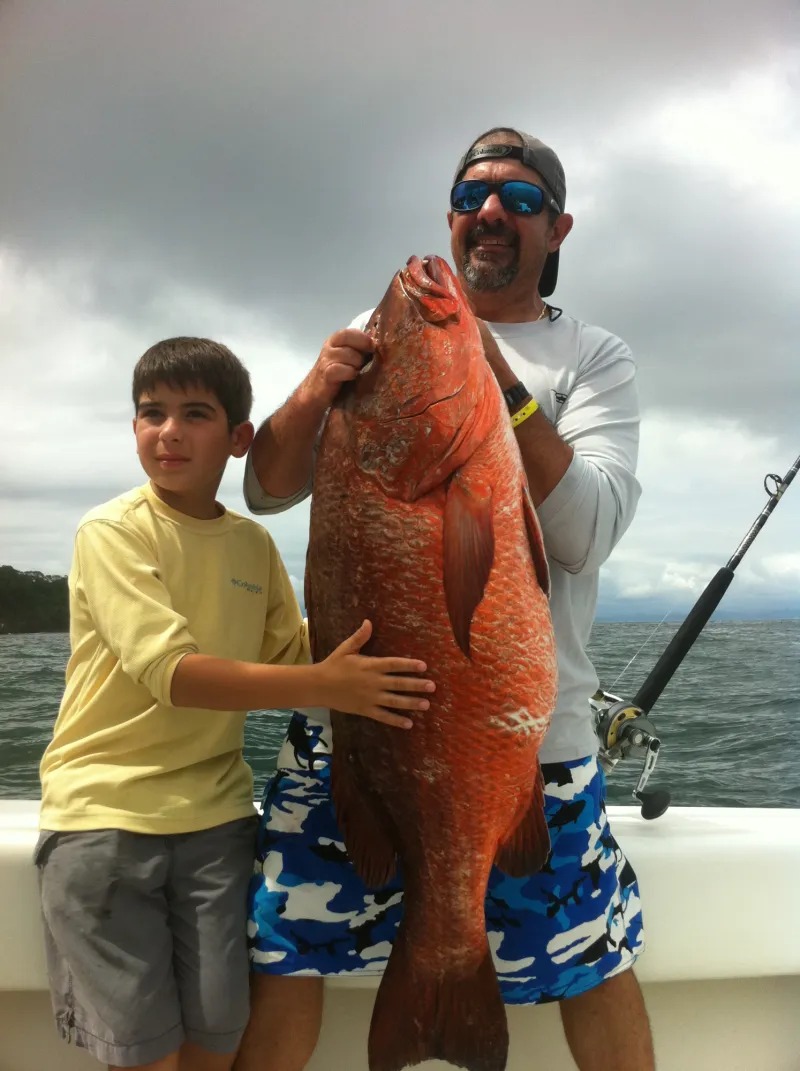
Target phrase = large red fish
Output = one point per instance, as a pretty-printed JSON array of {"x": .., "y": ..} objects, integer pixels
[{"x": 422, "y": 522}]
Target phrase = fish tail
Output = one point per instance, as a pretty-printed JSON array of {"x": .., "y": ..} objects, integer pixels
[{"x": 458, "y": 1017}]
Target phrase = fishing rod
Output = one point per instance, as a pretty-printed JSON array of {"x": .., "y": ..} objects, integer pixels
[{"x": 622, "y": 725}]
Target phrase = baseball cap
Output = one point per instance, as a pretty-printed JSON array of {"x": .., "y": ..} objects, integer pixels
[{"x": 532, "y": 153}]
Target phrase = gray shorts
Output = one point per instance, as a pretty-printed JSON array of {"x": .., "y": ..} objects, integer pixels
[{"x": 146, "y": 938}]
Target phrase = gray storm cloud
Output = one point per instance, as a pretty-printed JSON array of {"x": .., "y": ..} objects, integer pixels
[{"x": 291, "y": 158}]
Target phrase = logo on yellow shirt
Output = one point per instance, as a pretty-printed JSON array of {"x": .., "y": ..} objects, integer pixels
[{"x": 256, "y": 589}]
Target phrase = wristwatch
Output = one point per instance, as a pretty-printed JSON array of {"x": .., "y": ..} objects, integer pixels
[{"x": 516, "y": 394}]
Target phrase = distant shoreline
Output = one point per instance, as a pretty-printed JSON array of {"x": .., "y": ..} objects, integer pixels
[
  {"x": 722, "y": 617},
  {"x": 33, "y": 631},
  {"x": 32, "y": 602},
  {"x": 599, "y": 621}
]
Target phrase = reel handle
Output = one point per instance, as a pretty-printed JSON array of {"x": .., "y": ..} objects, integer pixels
[
  {"x": 624, "y": 731},
  {"x": 654, "y": 801}
]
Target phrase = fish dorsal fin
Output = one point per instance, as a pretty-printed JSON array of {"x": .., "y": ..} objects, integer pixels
[
  {"x": 468, "y": 554},
  {"x": 536, "y": 541}
]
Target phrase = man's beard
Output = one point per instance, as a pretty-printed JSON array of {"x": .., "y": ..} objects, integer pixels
[{"x": 484, "y": 275}]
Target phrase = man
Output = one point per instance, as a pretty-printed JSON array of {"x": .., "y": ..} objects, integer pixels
[{"x": 572, "y": 932}]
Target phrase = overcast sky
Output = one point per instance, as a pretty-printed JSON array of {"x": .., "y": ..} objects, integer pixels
[{"x": 257, "y": 173}]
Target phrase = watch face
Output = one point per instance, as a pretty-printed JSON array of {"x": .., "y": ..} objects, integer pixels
[{"x": 515, "y": 394}]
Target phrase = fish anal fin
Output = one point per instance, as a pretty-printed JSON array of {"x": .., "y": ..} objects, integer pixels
[
  {"x": 457, "y": 1016},
  {"x": 526, "y": 848},
  {"x": 536, "y": 541},
  {"x": 366, "y": 838},
  {"x": 468, "y": 554}
]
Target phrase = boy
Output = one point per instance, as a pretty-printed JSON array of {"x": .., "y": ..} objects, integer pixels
[{"x": 182, "y": 618}]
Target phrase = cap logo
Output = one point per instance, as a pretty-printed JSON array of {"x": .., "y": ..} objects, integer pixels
[{"x": 491, "y": 150}]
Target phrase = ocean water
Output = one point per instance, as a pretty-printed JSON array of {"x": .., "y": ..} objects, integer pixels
[{"x": 729, "y": 721}]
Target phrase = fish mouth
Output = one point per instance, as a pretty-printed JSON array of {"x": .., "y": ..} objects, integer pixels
[
  {"x": 431, "y": 286},
  {"x": 433, "y": 269},
  {"x": 428, "y": 273}
]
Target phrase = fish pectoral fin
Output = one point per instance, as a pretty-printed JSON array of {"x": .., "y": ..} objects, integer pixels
[
  {"x": 358, "y": 816},
  {"x": 536, "y": 541},
  {"x": 468, "y": 554},
  {"x": 525, "y": 850}
]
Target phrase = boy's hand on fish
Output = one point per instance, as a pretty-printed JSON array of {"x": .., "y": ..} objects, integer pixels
[
  {"x": 358, "y": 684},
  {"x": 341, "y": 359}
]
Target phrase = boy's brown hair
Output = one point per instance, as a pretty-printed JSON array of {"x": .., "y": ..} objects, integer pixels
[{"x": 184, "y": 362}]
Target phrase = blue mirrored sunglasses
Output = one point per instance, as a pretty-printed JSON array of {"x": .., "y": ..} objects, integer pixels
[{"x": 521, "y": 198}]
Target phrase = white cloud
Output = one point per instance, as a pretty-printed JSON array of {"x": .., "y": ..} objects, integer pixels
[
  {"x": 702, "y": 489},
  {"x": 739, "y": 128},
  {"x": 783, "y": 567},
  {"x": 747, "y": 129}
]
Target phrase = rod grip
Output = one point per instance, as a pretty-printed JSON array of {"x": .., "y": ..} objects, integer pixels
[{"x": 664, "y": 669}]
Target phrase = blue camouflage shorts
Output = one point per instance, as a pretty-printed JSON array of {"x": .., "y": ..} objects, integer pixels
[{"x": 554, "y": 935}]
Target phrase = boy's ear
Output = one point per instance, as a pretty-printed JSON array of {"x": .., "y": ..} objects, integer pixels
[{"x": 242, "y": 439}]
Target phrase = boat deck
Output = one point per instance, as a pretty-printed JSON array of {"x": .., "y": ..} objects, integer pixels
[{"x": 721, "y": 971}]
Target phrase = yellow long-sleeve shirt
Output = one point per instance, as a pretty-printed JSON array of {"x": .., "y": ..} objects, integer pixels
[{"x": 147, "y": 586}]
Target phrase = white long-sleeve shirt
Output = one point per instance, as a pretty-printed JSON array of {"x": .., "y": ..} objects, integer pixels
[{"x": 584, "y": 380}]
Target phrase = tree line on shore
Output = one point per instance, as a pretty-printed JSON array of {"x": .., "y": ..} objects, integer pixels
[{"x": 32, "y": 602}]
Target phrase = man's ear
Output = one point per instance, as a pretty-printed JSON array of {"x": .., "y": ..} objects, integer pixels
[{"x": 561, "y": 228}]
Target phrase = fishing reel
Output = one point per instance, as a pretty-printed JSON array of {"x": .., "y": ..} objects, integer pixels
[
  {"x": 625, "y": 732},
  {"x": 623, "y": 727}
]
